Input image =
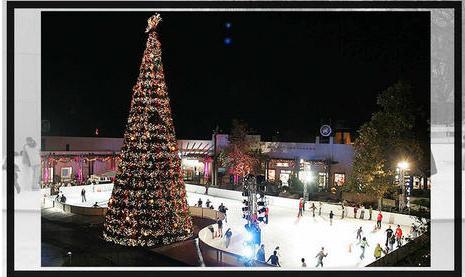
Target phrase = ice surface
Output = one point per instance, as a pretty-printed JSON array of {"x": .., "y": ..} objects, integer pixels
[{"x": 296, "y": 238}]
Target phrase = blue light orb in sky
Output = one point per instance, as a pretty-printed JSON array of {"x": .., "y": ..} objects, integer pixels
[{"x": 228, "y": 25}]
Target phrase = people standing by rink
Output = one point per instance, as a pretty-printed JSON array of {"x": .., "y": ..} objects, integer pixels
[
  {"x": 331, "y": 215},
  {"x": 370, "y": 213},
  {"x": 362, "y": 212},
  {"x": 379, "y": 218},
  {"x": 267, "y": 210},
  {"x": 363, "y": 246},
  {"x": 355, "y": 211},
  {"x": 343, "y": 210},
  {"x": 319, "y": 208},
  {"x": 320, "y": 257}
]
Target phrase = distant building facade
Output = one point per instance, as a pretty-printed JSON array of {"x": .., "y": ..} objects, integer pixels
[{"x": 77, "y": 158}]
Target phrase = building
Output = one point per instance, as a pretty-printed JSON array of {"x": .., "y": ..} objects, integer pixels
[{"x": 66, "y": 158}]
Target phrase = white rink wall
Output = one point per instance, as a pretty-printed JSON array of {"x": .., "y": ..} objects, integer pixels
[{"x": 389, "y": 218}]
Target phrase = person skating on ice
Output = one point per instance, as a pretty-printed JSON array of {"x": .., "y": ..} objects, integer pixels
[
  {"x": 83, "y": 195},
  {"x": 303, "y": 262},
  {"x": 313, "y": 209},
  {"x": 208, "y": 203},
  {"x": 370, "y": 213},
  {"x": 355, "y": 211},
  {"x": 359, "y": 234},
  {"x": 319, "y": 208},
  {"x": 378, "y": 251},
  {"x": 228, "y": 236},
  {"x": 343, "y": 210},
  {"x": 274, "y": 259},
  {"x": 379, "y": 218},
  {"x": 199, "y": 203},
  {"x": 363, "y": 246},
  {"x": 331, "y": 215},
  {"x": 301, "y": 206},
  {"x": 392, "y": 240},
  {"x": 398, "y": 235},
  {"x": 389, "y": 233},
  {"x": 320, "y": 257},
  {"x": 261, "y": 254}
]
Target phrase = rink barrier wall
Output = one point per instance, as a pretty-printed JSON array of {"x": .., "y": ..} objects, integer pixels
[
  {"x": 397, "y": 255},
  {"x": 388, "y": 217},
  {"x": 213, "y": 256}
]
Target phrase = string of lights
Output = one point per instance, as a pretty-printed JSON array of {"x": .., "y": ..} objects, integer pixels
[{"x": 148, "y": 206}]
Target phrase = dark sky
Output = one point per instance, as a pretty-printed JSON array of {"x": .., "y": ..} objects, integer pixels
[{"x": 286, "y": 71}]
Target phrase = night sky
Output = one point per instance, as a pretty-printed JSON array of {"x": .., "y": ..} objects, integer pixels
[{"x": 281, "y": 71}]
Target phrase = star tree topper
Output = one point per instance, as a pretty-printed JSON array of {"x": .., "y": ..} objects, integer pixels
[{"x": 152, "y": 22}]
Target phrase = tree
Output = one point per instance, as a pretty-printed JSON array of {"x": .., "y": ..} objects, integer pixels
[
  {"x": 148, "y": 204},
  {"x": 387, "y": 138},
  {"x": 242, "y": 156}
]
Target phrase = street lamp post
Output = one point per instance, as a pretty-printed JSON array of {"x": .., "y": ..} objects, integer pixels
[{"x": 402, "y": 167}]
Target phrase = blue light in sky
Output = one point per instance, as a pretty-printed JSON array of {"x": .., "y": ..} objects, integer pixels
[
  {"x": 228, "y": 25},
  {"x": 227, "y": 41}
]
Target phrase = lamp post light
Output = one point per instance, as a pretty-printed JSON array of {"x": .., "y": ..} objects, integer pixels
[{"x": 403, "y": 165}]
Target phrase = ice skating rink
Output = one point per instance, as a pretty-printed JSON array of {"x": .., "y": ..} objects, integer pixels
[{"x": 296, "y": 238}]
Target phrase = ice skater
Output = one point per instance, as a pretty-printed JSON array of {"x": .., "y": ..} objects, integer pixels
[
  {"x": 389, "y": 233},
  {"x": 379, "y": 218},
  {"x": 83, "y": 195},
  {"x": 359, "y": 234},
  {"x": 274, "y": 259},
  {"x": 260, "y": 256},
  {"x": 355, "y": 211},
  {"x": 313, "y": 209},
  {"x": 303, "y": 262},
  {"x": 378, "y": 251},
  {"x": 398, "y": 235},
  {"x": 331, "y": 215},
  {"x": 228, "y": 236},
  {"x": 319, "y": 208},
  {"x": 363, "y": 246},
  {"x": 370, "y": 211},
  {"x": 301, "y": 207},
  {"x": 208, "y": 203},
  {"x": 199, "y": 203},
  {"x": 320, "y": 257},
  {"x": 392, "y": 240}
]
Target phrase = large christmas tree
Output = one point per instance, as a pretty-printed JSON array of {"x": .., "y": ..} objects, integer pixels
[{"x": 148, "y": 205}]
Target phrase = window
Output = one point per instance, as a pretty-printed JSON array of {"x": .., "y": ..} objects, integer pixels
[
  {"x": 282, "y": 164},
  {"x": 339, "y": 179},
  {"x": 66, "y": 172}
]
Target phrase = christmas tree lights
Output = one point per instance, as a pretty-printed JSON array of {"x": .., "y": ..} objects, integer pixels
[{"x": 148, "y": 205}]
